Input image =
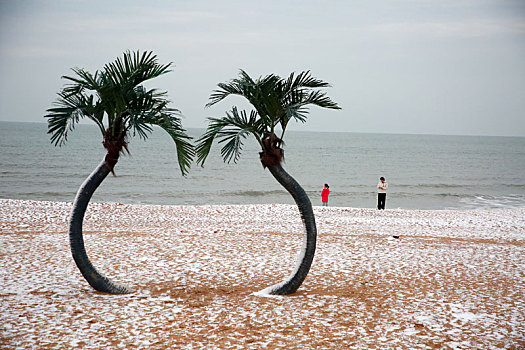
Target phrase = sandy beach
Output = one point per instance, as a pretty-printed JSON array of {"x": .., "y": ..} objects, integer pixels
[{"x": 452, "y": 280}]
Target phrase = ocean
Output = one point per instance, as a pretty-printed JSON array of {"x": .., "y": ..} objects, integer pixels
[{"x": 422, "y": 171}]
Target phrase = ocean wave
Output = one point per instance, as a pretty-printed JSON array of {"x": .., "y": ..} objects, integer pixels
[
  {"x": 255, "y": 193},
  {"x": 208, "y": 194},
  {"x": 429, "y": 185},
  {"x": 444, "y": 186},
  {"x": 493, "y": 202}
]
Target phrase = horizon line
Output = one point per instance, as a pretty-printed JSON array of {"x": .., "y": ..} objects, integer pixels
[{"x": 325, "y": 131}]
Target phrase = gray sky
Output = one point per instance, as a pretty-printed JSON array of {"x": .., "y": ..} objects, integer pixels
[{"x": 427, "y": 66}]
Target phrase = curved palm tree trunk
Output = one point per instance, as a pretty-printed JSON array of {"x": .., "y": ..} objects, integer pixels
[
  {"x": 76, "y": 240},
  {"x": 294, "y": 281}
]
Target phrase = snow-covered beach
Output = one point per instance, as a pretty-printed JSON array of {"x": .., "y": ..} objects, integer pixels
[{"x": 453, "y": 279}]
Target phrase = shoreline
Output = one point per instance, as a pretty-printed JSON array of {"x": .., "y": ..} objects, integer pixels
[
  {"x": 453, "y": 278},
  {"x": 2, "y": 200},
  {"x": 471, "y": 222}
]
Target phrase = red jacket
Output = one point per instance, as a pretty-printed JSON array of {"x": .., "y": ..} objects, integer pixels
[{"x": 324, "y": 194}]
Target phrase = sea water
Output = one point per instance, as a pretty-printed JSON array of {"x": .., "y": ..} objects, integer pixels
[{"x": 422, "y": 171}]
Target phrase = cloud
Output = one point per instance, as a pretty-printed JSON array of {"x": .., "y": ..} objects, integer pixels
[
  {"x": 141, "y": 18},
  {"x": 35, "y": 51},
  {"x": 459, "y": 29}
]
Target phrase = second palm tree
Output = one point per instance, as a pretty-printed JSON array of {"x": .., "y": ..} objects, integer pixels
[{"x": 276, "y": 101}]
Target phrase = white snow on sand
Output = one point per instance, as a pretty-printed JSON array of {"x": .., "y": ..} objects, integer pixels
[{"x": 452, "y": 280}]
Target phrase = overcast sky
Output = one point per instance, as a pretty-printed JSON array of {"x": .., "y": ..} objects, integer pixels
[{"x": 427, "y": 66}]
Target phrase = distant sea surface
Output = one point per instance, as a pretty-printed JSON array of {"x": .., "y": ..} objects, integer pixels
[{"x": 423, "y": 171}]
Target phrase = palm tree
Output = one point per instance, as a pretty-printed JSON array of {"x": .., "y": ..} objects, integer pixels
[
  {"x": 276, "y": 102},
  {"x": 120, "y": 106}
]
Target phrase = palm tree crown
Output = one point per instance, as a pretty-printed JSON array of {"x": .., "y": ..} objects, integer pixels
[
  {"x": 115, "y": 99},
  {"x": 276, "y": 101}
]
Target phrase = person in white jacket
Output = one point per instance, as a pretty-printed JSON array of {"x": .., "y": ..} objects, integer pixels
[{"x": 382, "y": 186}]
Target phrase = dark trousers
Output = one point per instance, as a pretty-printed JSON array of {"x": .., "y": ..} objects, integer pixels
[{"x": 381, "y": 199}]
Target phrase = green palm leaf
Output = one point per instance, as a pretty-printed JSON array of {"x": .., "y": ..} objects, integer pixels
[
  {"x": 185, "y": 149},
  {"x": 70, "y": 109},
  {"x": 231, "y": 131}
]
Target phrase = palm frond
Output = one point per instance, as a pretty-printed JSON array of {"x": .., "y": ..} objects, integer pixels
[
  {"x": 304, "y": 80},
  {"x": 296, "y": 103},
  {"x": 143, "y": 108},
  {"x": 85, "y": 81},
  {"x": 319, "y": 98},
  {"x": 244, "y": 86},
  {"x": 296, "y": 97},
  {"x": 226, "y": 89},
  {"x": 70, "y": 109},
  {"x": 232, "y": 138},
  {"x": 185, "y": 150},
  {"x": 231, "y": 131},
  {"x": 135, "y": 68}
]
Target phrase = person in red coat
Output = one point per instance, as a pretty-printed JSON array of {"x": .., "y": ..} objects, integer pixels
[{"x": 324, "y": 195}]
